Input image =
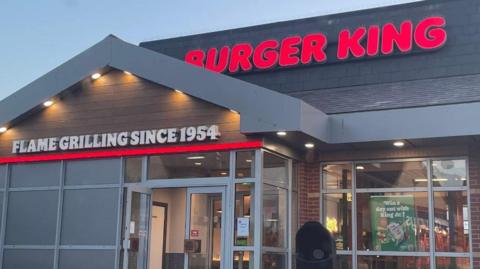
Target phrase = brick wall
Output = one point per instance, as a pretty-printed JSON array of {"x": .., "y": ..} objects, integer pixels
[
  {"x": 309, "y": 192},
  {"x": 474, "y": 176}
]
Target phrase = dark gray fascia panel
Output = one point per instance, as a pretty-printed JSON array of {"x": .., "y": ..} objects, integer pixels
[
  {"x": 261, "y": 109},
  {"x": 412, "y": 123}
]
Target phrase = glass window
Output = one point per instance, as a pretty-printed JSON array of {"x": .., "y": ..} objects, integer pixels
[
  {"x": 244, "y": 214},
  {"x": 337, "y": 176},
  {"x": 243, "y": 260},
  {"x": 274, "y": 261},
  {"x": 133, "y": 170},
  {"x": 35, "y": 174},
  {"x": 84, "y": 222},
  {"x": 338, "y": 218},
  {"x": 93, "y": 172},
  {"x": 193, "y": 165},
  {"x": 31, "y": 218},
  {"x": 28, "y": 258},
  {"x": 452, "y": 263},
  {"x": 390, "y": 262},
  {"x": 274, "y": 216},
  {"x": 391, "y": 175},
  {"x": 393, "y": 221},
  {"x": 344, "y": 262},
  {"x": 449, "y": 173},
  {"x": 275, "y": 170},
  {"x": 80, "y": 259},
  {"x": 245, "y": 164},
  {"x": 451, "y": 230}
]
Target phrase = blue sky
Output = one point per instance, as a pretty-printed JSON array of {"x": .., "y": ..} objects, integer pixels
[{"x": 37, "y": 36}]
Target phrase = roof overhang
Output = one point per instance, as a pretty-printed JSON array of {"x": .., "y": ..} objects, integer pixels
[{"x": 262, "y": 110}]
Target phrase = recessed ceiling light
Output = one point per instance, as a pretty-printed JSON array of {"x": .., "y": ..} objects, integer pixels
[
  {"x": 223, "y": 173},
  {"x": 48, "y": 103},
  {"x": 359, "y": 167},
  {"x": 96, "y": 76},
  {"x": 309, "y": 145},
  {"x": 399, "y": 144},
  {"x": 282, "y": 133},
  {"x": 248, "y": 160},
  {"x": 198, "y": 164},
  {"x": 3, "y": 129},
  {"x": 127, "y": 73},
  {"x": 196, "y": 157}
]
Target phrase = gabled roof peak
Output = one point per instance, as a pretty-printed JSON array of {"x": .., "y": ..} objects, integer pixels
[{"x": 261, "y": 109}]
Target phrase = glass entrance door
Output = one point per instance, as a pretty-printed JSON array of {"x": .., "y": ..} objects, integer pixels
[
  {"x": 136, "y": 228},
  {"x": 204, "y": 231}
]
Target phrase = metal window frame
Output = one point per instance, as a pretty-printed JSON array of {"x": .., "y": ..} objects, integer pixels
[
  {"x": 287, "y": 250},
  {"x": 430, "y": 189}
]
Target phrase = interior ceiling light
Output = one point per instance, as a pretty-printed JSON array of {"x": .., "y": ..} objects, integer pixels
[
  {"x": 248, "y": 160},
  {"x": 96, "y": 76},
  {"x": 359, "y": 167},
  {"x": 309, "y": 145},
  {"x": 198, "y": 164},
  {"x": 282, "y": 133},
  {"x": 195, "y": 157},
  {"x": 48, "y": 103},
  {"x": 399, "y": 144},
  {"x": 3, "y": 129}
]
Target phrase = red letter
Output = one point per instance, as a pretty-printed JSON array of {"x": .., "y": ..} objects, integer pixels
[
  {"x": 240, "y": 57},
  {"x": 289, "y": 51},
  {"x": 195, "y": 57},
  {"x": 428, "y": 38},
  {"x": 314, "y": 45},
  {"x": 373, "y": 40},
  {"x": 217, "y": 65},
  {"x": 265, "y": 55},
  {"x": 402, "y": 39},
  {"x": 347, "y": 43}
]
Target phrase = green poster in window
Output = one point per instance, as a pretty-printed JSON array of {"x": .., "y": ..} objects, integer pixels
[{"x": 393, "y": 219}]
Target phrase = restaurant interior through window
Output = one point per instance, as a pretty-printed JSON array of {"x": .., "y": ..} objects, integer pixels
[
  {"x": 211, "y": 215},
  {"x": 399, "y": 213}
]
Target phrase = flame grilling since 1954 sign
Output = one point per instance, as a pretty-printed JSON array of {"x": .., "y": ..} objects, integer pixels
[{"x": 118, "y": 139}]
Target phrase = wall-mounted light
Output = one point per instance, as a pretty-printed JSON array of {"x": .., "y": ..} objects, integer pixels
[
  {"x": 234, "y": 111},
  {"x": 48, "y": 103},
  {"x": 179, "y": 91},
  {"x": 3, "y": 129},
  {"x": 127, "y": 73},
  {"x": 309, "y": 145},
  {"x": 96, "y": 76},
  {"x": 281, "y": 133}
]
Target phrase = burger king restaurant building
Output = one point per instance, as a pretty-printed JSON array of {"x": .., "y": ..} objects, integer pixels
[{"x": 211, "y": 150}]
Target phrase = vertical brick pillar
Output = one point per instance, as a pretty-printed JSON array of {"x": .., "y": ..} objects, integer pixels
[
  {"x": 474, "y": 175},
  {"x": 308, "y": 175}
]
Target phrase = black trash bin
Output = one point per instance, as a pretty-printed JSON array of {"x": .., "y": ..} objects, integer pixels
[{"x": 315, "y": 247}]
